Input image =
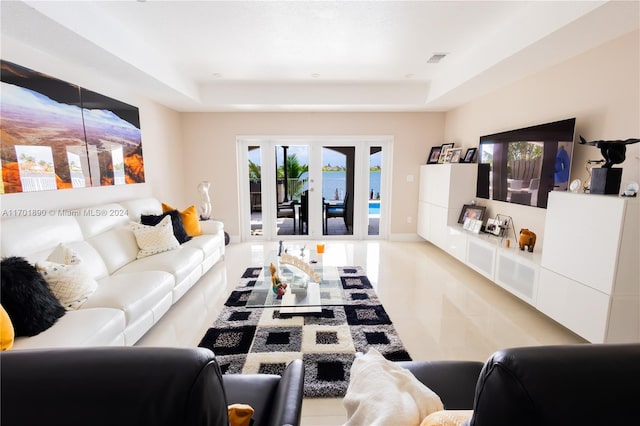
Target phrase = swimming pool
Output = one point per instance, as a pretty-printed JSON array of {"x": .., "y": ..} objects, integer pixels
[{"x": 374, "y": 207}]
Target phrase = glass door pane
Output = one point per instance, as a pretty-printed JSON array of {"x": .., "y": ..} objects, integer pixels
[
  {"x": 338, "y": 166},
  {"x": 255, "y": 190},
  {"x": 292, "y": 167},
  {"x": 374, "y": 204}
]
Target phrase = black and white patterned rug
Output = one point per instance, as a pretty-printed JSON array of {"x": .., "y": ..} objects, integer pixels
[{"x": 261, "y": 340}]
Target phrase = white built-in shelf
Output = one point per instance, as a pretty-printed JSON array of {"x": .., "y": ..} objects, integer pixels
[{"x": 586, "y": 276}]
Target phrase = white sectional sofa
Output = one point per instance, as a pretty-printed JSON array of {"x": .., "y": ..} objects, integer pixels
[{"x": 132, "y": 294}]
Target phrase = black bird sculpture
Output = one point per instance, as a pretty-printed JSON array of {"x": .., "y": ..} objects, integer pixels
[{"x": 614, "y": 152}]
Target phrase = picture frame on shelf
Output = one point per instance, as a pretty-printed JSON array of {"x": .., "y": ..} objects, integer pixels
[
  {"x": 471, "y": 211},
  {"x": 472, "y": 225},
  {"x": 494, "y": 226},
  {"x": 447, "y": 155},
  {"x": 434, "y": 155},
  {"x": 455, "y": 154},
  {"x": 470, "y": 154},
  {"x": 443, "y": 152}
]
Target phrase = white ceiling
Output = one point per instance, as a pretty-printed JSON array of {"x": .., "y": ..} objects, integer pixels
[{"x": 319, "y": 55}]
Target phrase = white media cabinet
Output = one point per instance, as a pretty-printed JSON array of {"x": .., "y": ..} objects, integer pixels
[{"x": 587, "y": 274}]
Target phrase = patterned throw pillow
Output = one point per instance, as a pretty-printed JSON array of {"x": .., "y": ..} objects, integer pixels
[
  {"x": 155, "y": 239},
  {"x": 176, "y": 221},
  {"x": 70, "y": 284},
  {"x": 68, "y": 278},
  {"x": 65, "y": 255}
]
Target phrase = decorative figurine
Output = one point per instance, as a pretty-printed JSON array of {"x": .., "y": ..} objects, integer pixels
[
  {"x": 277, "y": 286},
  {"x": 606, "y": 180},
  {"x": 205, "y": 200},
  {"x": 300, "y": 264},
  {"x": 614, "y": 152},
  {"x": 528, "y": 239}
]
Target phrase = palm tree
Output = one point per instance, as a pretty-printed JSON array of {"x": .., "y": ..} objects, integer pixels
[
  {"x": 254, "y": 171},
  {"x": 294, "y": 168}
]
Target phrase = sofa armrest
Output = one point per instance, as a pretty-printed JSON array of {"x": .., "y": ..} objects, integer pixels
[
  {"x": 211, "y": 226},
  {"x": 276, "y": 400},
  {"x": 453, "y": 381}
]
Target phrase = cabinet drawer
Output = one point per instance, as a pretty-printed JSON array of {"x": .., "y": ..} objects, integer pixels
[
  {"x": 456, "y": 243},
  {"x": 481, "y": 257},
  {"x": 518, "y": 276},
  {"x": 578, "y": 307}
]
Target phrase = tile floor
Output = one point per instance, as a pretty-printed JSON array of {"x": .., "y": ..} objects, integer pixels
[{"x": 441, "y": 308}]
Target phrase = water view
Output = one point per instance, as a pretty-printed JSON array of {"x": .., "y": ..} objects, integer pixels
[{"x": 337, "y": 181}]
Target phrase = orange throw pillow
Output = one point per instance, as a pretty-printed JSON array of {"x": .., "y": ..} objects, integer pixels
[
  {"x": 447, "y": 418},
  {"x": 189, "y": 217},
  {"x": 6, "y": 330},
  {"x": 240, "y": 414}
]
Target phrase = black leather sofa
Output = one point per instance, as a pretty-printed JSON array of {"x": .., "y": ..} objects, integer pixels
[
  {"x": 582, "y": 385},
  {"x": 139, "y": 386}
]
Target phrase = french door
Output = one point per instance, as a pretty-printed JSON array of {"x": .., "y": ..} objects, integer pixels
[{"x": 313, "y": 187}]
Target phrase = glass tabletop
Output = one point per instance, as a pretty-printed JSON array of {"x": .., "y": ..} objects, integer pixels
[{"x": 310, "y": 284}]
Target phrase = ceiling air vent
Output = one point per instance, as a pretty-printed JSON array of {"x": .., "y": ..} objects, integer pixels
[{"x": 436, "y": 57}]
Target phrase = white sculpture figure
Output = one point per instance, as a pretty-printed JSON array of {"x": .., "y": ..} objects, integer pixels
[{"x": 205, "y": 201}]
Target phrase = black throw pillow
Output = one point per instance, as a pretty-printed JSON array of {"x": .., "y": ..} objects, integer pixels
[
  {"x": 176, "y": 221},
  {"x": 27, "y": 298}
]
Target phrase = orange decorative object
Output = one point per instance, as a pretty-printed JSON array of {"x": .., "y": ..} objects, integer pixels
[{"x": 527, "y": 239}]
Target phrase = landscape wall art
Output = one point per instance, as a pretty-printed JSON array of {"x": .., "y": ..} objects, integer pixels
[{"x": 57, "y": 135}]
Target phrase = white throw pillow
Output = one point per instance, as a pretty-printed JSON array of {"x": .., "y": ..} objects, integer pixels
[
  {"x": 69, "y": 280},
  {"x": 381, "y": 392},
  {"x": 155, "y": 239},
  {"x": 65, "y": 255}
]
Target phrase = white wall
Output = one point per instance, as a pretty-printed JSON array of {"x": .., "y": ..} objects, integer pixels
[
  {"x": 601, "y": 88},
  {"x": 210, "y": 146},
  {"x": 160, "y": 128}
]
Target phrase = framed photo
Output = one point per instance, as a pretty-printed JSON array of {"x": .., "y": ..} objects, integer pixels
[
  {"x": 494, "y": 227},
  {"x": 447, "y": 155},
  {"x": 434, "y": 155},
  {"x": 455, "y": 154},
  {"x": 471, "y": 211},
  {"x": 473, "y": 225},
  {"x": 443, "y": 152},
  {"x": 468, "y": 157}
]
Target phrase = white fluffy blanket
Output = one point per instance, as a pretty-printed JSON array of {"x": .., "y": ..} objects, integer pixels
[{"x": 384, "y": 394}]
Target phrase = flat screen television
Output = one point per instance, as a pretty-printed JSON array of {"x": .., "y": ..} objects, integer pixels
[{"x": 522, "y": 166}]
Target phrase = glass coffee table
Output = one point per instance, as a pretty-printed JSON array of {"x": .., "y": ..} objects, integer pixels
[{"x": 304, "y": 294}]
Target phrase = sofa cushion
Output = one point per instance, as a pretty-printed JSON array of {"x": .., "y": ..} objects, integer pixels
[
  {"x": 27, "y": 298},
  {"x": 27, "y": 235},
  {"x": 180, "y": 263},
  {"x": 96, "y": 220},
  {"x": 155, "y": 239},
  {"x": 190, "y": 219},
  {"x": 176, "y": 222},
  {"x": 134, "y": 293},
  {"x": 117, "y": 247},
  {"x": 84, "y": 327},
  {"x": 138, "y": 207}
]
